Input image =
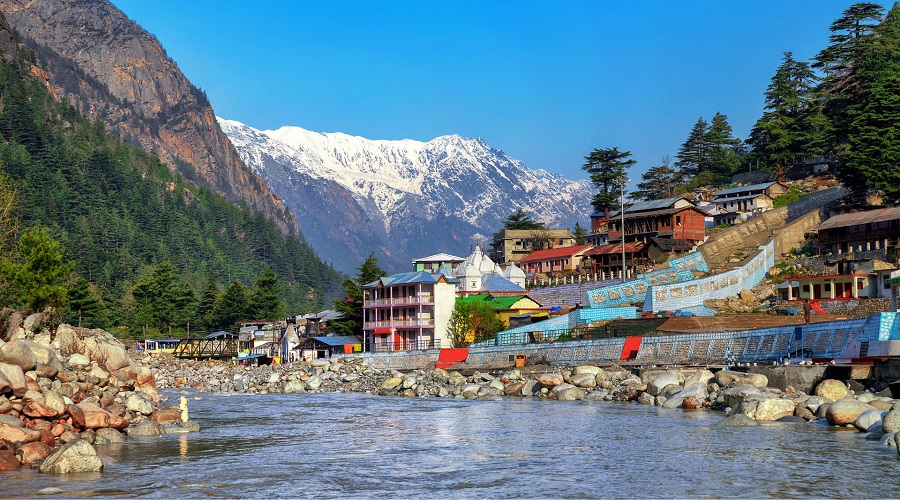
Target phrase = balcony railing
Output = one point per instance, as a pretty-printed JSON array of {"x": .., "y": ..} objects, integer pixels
[
  {"x": 412, "y": 299},
  {"x": 414, "y": 322}
]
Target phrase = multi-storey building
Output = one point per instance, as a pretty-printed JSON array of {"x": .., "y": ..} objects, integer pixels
[
  {"x": 742, "y": 203},
  {"x": 510, "y": 245},
  {"x": 860, "y": 232},
  {"x": 434, "y": 263},
  {"x": 676, "y": 218},
  {"x": 554, "y": 260},
  {"x": 408, "y": 311}
]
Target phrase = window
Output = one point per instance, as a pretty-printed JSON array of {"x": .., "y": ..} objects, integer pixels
[{"x": 677, "y": 220}]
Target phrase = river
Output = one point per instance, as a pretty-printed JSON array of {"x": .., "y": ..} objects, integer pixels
[{"x": 339, "y": 445}]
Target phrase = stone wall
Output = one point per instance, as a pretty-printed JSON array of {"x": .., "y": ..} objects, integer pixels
[
  {"x": 862, "y": 308},
  {"x": 719, "y": 249},
  {"x": 793, "y": 235}
]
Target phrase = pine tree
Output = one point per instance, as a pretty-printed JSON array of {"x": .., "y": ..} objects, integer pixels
[
  {"x": 264, "y": 298},
  {"x": 657, "y": 183},
  {"x": 851, "y": 35},
  {"x": 783, "y": 132},
  {"x": 873, "y": 158},
  {"x": 86, "y": 308},
  {"x": 34, "y": 278},
  {"x": 351, "y": 306},
  {"x": 607, "y": 169},
  {"x": 206, "y": 306},
  {"x": 692, "y": 157},
  {"x": 721, "y": 149},
  {"x": 579, "y": 233},
  {"x": 233, "y": 305},
  {"x": 521, "y": 220}
]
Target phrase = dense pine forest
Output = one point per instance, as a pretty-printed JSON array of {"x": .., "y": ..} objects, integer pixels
[{"x": 148, "y": 252}]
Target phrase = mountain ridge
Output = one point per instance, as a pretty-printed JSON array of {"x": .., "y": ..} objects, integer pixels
[{"x": 408, "y": 197}]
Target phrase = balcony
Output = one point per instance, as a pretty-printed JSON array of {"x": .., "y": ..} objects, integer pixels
[
  {"x": 412, "y": 299},
  {"x": 402, "y": 345},
  {"x": 400, "y": 323}
]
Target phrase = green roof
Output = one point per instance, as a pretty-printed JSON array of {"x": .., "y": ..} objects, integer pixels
[{"x": 495, "y": 302}]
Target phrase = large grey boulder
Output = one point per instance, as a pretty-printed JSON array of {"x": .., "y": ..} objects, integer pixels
[
  {"x": 696, "y": 391},
  {"x": 74, "y": 456},
  {"x": 585, "y": 380},
  {"x": 867, "y": 419},
  {"x": 587, "y": 369},
  {"x": 891, "y": 421},
  {"x": 18, "y": 353},
  {"x": 662, "y": 380},
  {"x": 765, "y": 406},
  {"x": 15, "y": 378},
  {"x": 699, "y": 377},
  {"x": 146, "y": 428},
  {"x": 735, "y": 395},
  {"x": 138, "y": 404}
]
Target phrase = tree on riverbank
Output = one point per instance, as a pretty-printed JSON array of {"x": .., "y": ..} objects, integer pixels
[
  {"x": 473, "y": 320},
  {"x": 351, "y": 306},
  {"x": 33, "y": 278}
]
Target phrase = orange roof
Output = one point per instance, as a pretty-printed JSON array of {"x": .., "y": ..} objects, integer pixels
[
  {"x": 554, "y": 253},
  {"x": 633, "y": 247}
]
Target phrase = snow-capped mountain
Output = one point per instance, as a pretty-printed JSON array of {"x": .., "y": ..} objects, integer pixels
[{"x": 401, "y": 199}]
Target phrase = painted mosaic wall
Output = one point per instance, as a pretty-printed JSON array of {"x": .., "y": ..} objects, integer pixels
[{"x": 692, "y": 293}]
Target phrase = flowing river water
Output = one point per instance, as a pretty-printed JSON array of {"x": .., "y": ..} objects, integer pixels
[{"x": 340, "y": 445}]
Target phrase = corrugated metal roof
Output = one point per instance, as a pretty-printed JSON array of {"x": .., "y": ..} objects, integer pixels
[
  {"x": 667, "y": 244},
  {"x": 553, "y": 253},
  {"x": 496, "y": 283},
  {"x": 753, "y": 187},
  {"x": 633, "y": 247},
  {"x": 408, "y": 278},
  {"x": 338, "y": 340},
  {"x": 643, "y": 206},
  {"x": 440, "y": 257},
  {"x": 857, "y": 218},
  {"x": 738, "y": 198}
]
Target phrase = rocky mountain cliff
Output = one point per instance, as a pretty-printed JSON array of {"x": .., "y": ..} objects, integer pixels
[
  {"x": 110, "y": 68},
  {"x": 401, "y": 199}
]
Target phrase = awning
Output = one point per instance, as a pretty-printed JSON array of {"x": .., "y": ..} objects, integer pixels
[{"x": 382, "y": 331}]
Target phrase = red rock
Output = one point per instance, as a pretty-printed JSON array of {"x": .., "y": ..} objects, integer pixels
[
  {"x": 39, "y": 425},
  {"x": 198, "y": 385},
  {"x": 30, "y": 452},
  {"x": 117, "y": 409},
  {"x": 18, "y": 434},
  {"x": 107, "y": 399},
  {"x": 58, "y": 429},
  {"x": 77, "y": 415},
  {"x": 39, "y": 410},
  {"x": 8, "y": 460},
  {"x": 166, "y": 415},
  {"x": 690, "y": 403},
  {"x": 96, "y": 419},
  {"x": 32, "y": 385},
  {"x": 48, "y": 438},
  {"x": 118, "y": 423}
]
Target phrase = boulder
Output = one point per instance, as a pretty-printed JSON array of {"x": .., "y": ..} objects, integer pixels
[
  {"x": 389, "y": 384},
  {"x": 690, "y": 403},
  {"x": 48, "y": 363},
  {"x": 15, "y": 378},
  {"x": 881, "y": 405},
  {"x": 8, "y": 460},
  {"x": 832, "y": 390},
  {"x": 470, "y": 391},
  {"x": 891, "y": 421},
  {"x": 888, "y": 439},
  {"x": 79, "y": 359},
  {"x": 696, "y": 391},
  {"x": 293, "y": 386},
  {"x": 110, "y": 435},
  {"x": 662, "y": 380},
  {"x": 728, "y": 378},
  {"x": 146, "y": 428},
  {"x": 74, "y": 456},
  {"x": 587, "y": 369},
  {"x": 29, "y": 453},
  {"x": 18, "y": 434},
  {"x": 138, "y": 404},
  {"x": 699, "y": 376},
  {"x": 765, "y": 407},
  {"x": 867, "y": 419},
  {"x": 17, "y": 353},
  {"x": 845, "y": 411},
  {"x": 550, "y": 380},
  {"x": 737, "y": 420},
  {"x": 735, "y": 395},
  {"x": 646, "y": 399},
  {"x": 570, "y": 393},
  {"x": 585, "y": 380}
]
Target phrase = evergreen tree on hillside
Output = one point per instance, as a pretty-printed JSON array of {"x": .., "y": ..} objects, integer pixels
[
  {"x": 205, "y": 319},
  {"x": 264, "y": 301},
  {"x": 162, "y": 300},
  {"x": 692, "y": 157},
  {"x": 521, "y": 220},
  {"x": 86, "y": 308},
  {"x": 33, "y": 279},
  {"x": 579, "y": 233},
  {"x": 607, "y": 169},
  {"x": 233, "y": 305},
  {"x": 873, "y": 158},
  {"x": 783, "y": 133},
  {"x": 722, "y": 148},
  {"x": 351, "y": 306},
  {"x": 839, "y": 89},
  {"x": 658, "y": 182}
]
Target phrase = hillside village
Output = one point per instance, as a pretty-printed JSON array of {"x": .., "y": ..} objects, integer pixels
[{"x": 698, "y": 263}]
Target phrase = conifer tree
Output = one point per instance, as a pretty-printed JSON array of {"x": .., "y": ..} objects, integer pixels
[
  {"x": 34, "y": 278},
  {"x": 233, "y": 305},
  {"x": 658, "y": 182},
  {"x": 351, "y": 306},
  {"x": 265, "y": 303},
  {"x": 607, "y": 168},
  {"x": 783, "y": 132},
  {"x": 521, "y": 220},
  {"x": 692, "y": 157},
  {"x": 579, "y": 233}
]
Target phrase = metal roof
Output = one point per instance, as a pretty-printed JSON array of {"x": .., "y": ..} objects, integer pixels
[
  {"x": 440, "y": 257},
  {"x": 496, "y": 283},
  {"x": 739, "y": 198},
  {"x": 754, "y": 187},
  {"x": 553, "y": 253},
  {"x": 632, "y": 247},
  {"x": 408, "y": 278},
  {"x": 857, "y": 218},
  {"x": 338, "y": 340}
]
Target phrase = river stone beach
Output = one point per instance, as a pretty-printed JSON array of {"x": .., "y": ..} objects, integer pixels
[
  {"x": 65, "y": 390},
  {"x": 744, "y": 398}
]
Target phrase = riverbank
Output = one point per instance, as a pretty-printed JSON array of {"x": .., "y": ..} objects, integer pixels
[
  {"x": 745, "y": 398},
  {"x": 65, "y": 390}
]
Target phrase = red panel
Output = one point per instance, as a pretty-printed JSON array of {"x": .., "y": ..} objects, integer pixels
[
  {"x": 630, "y": 349},
  {"x": 449, "y": 357}
]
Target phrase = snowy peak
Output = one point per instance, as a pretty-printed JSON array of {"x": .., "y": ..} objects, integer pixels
[{"x": 462, "y": 184}]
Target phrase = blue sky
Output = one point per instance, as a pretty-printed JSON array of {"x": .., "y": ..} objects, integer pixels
[{"x": 544, "y": 81}]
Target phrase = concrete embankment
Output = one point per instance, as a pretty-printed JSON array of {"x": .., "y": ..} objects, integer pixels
[
  {"x": 745, "y": 398},
  {"x": 66, "y": 392}
]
